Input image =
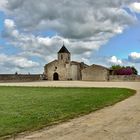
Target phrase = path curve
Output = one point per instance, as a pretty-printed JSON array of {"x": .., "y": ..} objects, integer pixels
[{"x": 118, "y": 122}]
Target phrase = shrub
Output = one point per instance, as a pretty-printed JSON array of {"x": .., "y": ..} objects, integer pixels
[{"x": 124, "y": 71}]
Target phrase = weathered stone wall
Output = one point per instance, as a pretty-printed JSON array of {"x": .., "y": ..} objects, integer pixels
[
  {"x": 66, "y": 71},
  {"x": 118, "y": 78},
  {"x": 75, "y": 71},
  {"x": 65, "y": 57},
  {"x": 95, "y": 73},
  {"x": 56, "y": 67},
  {"x": 19, "y": 77}
]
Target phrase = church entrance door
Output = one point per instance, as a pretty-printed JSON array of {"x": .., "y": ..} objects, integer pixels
[{"x": 55, "y": 76}]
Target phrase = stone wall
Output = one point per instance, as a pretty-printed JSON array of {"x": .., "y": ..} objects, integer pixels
[
  {"x": 19, "y": 77},
  {"x": 66, "y": 71},
  {"x": 95, "y": 73},
  {"x": 115, "y": 78},
  {"x": 56, "y": 67}
]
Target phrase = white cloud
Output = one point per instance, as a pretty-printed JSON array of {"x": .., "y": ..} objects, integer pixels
[
  {"x": 84, "y": 26},
  {"x": 3, "y": 4},
  {"x": 24, "y": 63},
  {"x": 118, "y": 30},
  {"x": 86, "y": 23},
  {"x": 44, "y": 46},
  {"x": 16, "y": 61},
  {"x": 135, "y": 7},
  {"x": 9, "y": 23},
  {"x": 10, "y": 30},
  {"x": 71, "y": 19},
  {"x": 115, "y": 61},
  {"x": 134, "y": 57}
]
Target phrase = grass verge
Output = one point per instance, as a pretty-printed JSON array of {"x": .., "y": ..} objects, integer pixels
[{"x": 31, "y": 108}]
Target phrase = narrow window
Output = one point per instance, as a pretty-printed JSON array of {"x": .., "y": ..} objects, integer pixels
[{"x": 61, "y": 56}]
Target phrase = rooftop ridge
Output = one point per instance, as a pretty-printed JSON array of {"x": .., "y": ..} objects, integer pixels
[{"x": 63, "y": 50}]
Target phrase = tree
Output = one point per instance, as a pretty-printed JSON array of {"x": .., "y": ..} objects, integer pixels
[
  {"x": 115, "y": 67},
  {"x": 124, "y": 70},
  {"x": 134, "y": 70}
]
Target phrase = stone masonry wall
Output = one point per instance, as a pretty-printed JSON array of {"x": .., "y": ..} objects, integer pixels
[
  {"x": 117, "y": 78},
  {"x": 19, "y": 77},
  {"x": 56, "y": 67},
  {"x": 66, "y": 71},
  {"x": 95, "y": 73}
]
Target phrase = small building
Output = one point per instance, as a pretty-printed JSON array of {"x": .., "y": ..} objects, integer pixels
[
  {"x": 64, "y": 69},
  {"x": 95, "y": 73}
]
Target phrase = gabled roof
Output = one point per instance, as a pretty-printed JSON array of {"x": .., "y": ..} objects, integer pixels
[
  {"x": 51, "y": 62},
  {"x": 63, "y": 50},
  {"x": 94, "y": 65}
]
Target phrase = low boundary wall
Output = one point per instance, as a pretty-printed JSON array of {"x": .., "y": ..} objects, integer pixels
[
  {"x": 19, "y": 77},
  {"x": 38, "y": 77},
  {"x": 130, "y": 78}
]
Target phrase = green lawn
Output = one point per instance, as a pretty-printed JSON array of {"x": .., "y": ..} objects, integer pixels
[{"x": 30, "y": 108}]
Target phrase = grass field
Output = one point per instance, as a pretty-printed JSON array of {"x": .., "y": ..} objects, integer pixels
[{"x": 31, "y": 108}]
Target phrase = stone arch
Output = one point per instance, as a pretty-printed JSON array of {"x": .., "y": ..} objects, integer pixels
[{"x": 55, "y": 76}]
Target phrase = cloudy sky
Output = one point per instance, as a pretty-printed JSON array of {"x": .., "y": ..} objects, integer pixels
[{"x": 105, "y": 32}]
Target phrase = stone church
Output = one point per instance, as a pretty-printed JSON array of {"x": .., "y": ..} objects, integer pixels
[{"x": 64, "y": 69}]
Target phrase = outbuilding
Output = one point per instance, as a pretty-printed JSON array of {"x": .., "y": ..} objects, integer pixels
[{"x": 95, "y": 73}]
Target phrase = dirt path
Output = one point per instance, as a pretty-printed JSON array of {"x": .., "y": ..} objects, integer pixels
[{"x": 118, "y": 122}]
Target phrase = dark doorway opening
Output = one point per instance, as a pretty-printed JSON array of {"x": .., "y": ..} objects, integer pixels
[{"x": 55, "y": 76}]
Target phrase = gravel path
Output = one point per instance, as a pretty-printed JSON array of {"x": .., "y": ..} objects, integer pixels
[{"x": 118, "y": 122}]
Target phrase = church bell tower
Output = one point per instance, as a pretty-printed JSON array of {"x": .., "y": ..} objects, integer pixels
[{"x": 64, "y": 55}]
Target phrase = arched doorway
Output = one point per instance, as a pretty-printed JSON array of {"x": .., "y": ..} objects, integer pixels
[{"x": 55, "y": 76}]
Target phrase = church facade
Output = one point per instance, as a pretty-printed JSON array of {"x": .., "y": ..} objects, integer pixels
[{"x": 64, "y": 69}]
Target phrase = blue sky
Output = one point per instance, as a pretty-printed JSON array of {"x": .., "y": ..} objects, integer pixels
[
  {"x": 123, "y": 44},
  {"x": 100, "y": 32}
]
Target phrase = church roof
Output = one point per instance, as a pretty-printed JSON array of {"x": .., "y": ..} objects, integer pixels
[{"x": 63, "y": 50}]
